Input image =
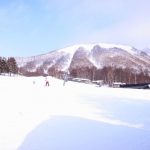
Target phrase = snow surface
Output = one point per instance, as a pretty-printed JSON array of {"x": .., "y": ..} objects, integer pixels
[
  {"x": 127, "y": 48},
  {"x": 74, "y": 116},
  {"x": 71, "y": 49}
]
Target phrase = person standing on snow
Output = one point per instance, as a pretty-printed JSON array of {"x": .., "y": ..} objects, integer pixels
[
  {"x": 65, "y": 77},
  {"x": 33, "y": 82},
  {"x": 46, "y": 82}
]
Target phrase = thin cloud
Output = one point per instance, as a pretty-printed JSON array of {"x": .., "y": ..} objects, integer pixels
[
  {"x": 69, "y": 22},
  {"x": 125, "y": 22}
]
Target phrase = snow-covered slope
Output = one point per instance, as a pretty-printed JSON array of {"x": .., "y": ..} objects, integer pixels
[
  {"x": 88, "y": 47},
  {"x": 97, "y": 55},
  {"x": 75, "y": 116}
]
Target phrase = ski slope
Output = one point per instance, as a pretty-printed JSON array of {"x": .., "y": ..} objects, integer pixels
[{"x": 74, "y": 116}]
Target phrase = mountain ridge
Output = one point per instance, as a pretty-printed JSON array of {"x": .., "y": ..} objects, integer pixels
[{"x": 96, "y": 55}]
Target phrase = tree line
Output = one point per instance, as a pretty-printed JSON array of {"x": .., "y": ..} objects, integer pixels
[
  {"x": 110, "y": 74},
  {"x": 107, "y": 74},
  {"x": 8, "y": 65}
]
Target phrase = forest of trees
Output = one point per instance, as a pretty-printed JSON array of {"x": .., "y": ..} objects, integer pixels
[
  {"x": 8, "y": 65},
  {"x": 109, "y": 75}
]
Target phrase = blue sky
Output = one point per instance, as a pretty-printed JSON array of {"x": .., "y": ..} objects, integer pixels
[{"x": 32, "y": 27}]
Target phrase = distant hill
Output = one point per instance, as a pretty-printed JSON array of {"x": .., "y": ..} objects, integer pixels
[{"x": 89, "y": 56}]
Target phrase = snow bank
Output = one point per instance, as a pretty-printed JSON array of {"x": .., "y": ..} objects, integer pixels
[{"x": 26, "y": 103}]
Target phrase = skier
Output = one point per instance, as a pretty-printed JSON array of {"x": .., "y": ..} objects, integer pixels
[
  {"x": 33, "y": 82},
  {"x": 46, "y": 82},
  {"x": 65, "y": 77}
]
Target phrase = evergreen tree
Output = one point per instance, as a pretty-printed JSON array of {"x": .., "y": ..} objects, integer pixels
[
  {"x": 12, "y": 65},
  {"x": 1, "y": 67},
  {"x": 4, "y": 66}
]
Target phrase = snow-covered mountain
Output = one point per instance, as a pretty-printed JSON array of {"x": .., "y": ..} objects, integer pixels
[{"x": 89, "y": 55}]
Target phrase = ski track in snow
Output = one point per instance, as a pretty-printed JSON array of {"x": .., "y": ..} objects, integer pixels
[{"x": 24, "y": 105}]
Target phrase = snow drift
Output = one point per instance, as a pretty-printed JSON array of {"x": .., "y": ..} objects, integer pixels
[{"x": 74, "y": 116}]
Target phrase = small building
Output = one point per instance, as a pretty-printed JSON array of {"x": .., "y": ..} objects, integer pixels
[
  {"x": 98, "y": 82},
  {"x": 81, "y": 80},
  {"x": 118, "y": 84},
  {"x": 137, "y": 86}
]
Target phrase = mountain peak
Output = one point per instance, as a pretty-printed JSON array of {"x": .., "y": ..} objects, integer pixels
[
  {"x": 89, "y": 47},
  {"x": 96, "y": 55}
]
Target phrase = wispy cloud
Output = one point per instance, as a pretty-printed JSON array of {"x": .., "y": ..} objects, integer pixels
[
  {"x": 111, "y": 20},
  {"x": 69, "y": 22}
]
